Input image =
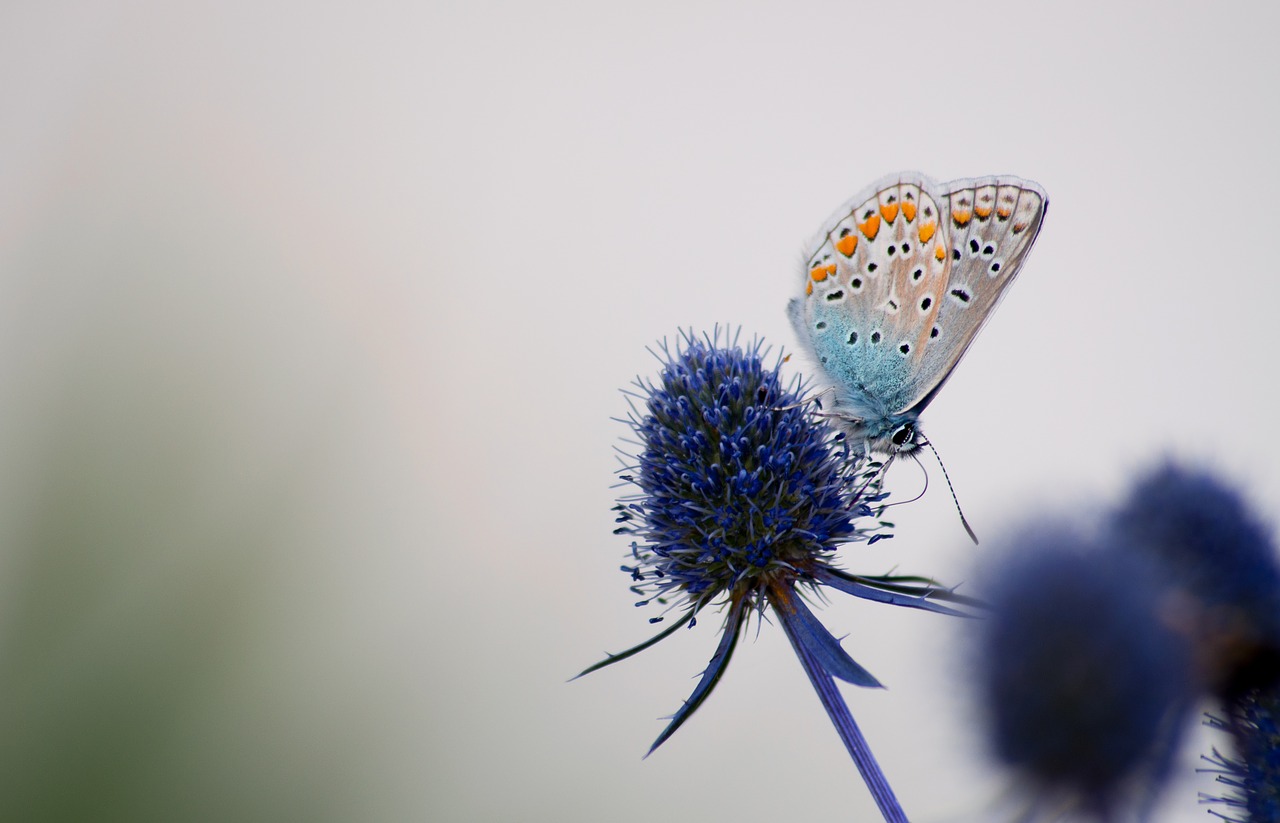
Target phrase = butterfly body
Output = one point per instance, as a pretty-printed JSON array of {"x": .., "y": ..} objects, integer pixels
[{"x": 897, "y": 284}]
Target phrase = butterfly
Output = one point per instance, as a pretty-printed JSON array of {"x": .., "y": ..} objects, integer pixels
[{"x": 897, "y": 284}]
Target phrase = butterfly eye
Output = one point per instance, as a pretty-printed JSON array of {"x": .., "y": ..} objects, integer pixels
[{"x": 903, "y": 434}]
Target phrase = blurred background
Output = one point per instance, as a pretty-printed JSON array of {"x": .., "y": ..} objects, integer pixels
[{"x": 312, "y": 320}]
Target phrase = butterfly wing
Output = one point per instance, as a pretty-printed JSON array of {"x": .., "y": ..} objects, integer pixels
[
  {"x": 990, "y": 224},
  {"x": 874, "y": 280}
]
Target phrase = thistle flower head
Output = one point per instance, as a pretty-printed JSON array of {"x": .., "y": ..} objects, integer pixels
[
  {"x": 1224, "y": 575},
  {"x": 739, "y": 497},
  {"x": 1221, "y": 560},
  {"x": 1082, "y": 683},
  {"x": 736, "y": 483}
]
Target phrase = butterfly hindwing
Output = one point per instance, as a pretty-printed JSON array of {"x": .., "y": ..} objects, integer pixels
[{"x": 991, "y": 224}]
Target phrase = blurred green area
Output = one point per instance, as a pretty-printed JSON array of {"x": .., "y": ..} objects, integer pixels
[{"x": 180, "y": 475}]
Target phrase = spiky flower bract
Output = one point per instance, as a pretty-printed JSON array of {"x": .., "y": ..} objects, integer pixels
[
  {"x": 1082, "y": 684},
  {"x": 740, "y": 497},
  {"x": 1252, "y": 775}
]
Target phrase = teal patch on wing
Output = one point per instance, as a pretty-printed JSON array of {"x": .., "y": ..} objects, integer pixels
[{"x": 863, "y": 362}]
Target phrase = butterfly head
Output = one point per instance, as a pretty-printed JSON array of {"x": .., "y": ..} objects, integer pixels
[{"x": 898, "y": 434}]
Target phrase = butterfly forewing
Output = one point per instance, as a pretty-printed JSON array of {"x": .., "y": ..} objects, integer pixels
[
  {"x": 918, "y": 266},
  {"x": 874, "y": 284}
]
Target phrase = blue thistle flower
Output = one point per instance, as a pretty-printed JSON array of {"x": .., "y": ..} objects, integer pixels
[
  {"x": 1084, "y": 687},
  {"x": 1223, "y": 562},
  {"x": 1225, "y": 580},
  {"x": 742, "y": 495}
]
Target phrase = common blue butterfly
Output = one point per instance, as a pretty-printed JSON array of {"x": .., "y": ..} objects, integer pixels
[{"x": 897, "y": 284}]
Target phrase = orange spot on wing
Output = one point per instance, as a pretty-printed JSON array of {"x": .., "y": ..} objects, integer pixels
[
  {"x": 822, "y": 272},
  {"x": 926, "y": 231},
  {"x": 938, "y": 253},
  {"x": 983, "y": 212},
  {"x": 1003, "y": 213},
  {"x": 847, "y": 244},
  {"x": 1017, "y": 227},
  {"x": 808, "y": 288},
  {"x": 890, "y": 212},
  {"x": 909, "y": 211},
  {"x": 961, "y": 216},
  {"x": 871, "y": 228}
]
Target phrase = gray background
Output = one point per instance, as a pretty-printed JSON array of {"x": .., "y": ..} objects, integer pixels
[{"x": 313, "y": 316}]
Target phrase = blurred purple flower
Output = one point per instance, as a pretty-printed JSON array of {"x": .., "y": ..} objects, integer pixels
[
  {"x": 1084, "y": 687},
  {"x": 1224, "y": 597},
  {"x": 1222, "y": 565}
]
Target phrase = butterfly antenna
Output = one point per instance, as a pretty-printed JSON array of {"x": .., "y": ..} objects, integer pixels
[{"x": 952, "y": 488}]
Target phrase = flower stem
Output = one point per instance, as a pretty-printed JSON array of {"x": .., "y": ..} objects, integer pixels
[{"x": 825, "y": 685}]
